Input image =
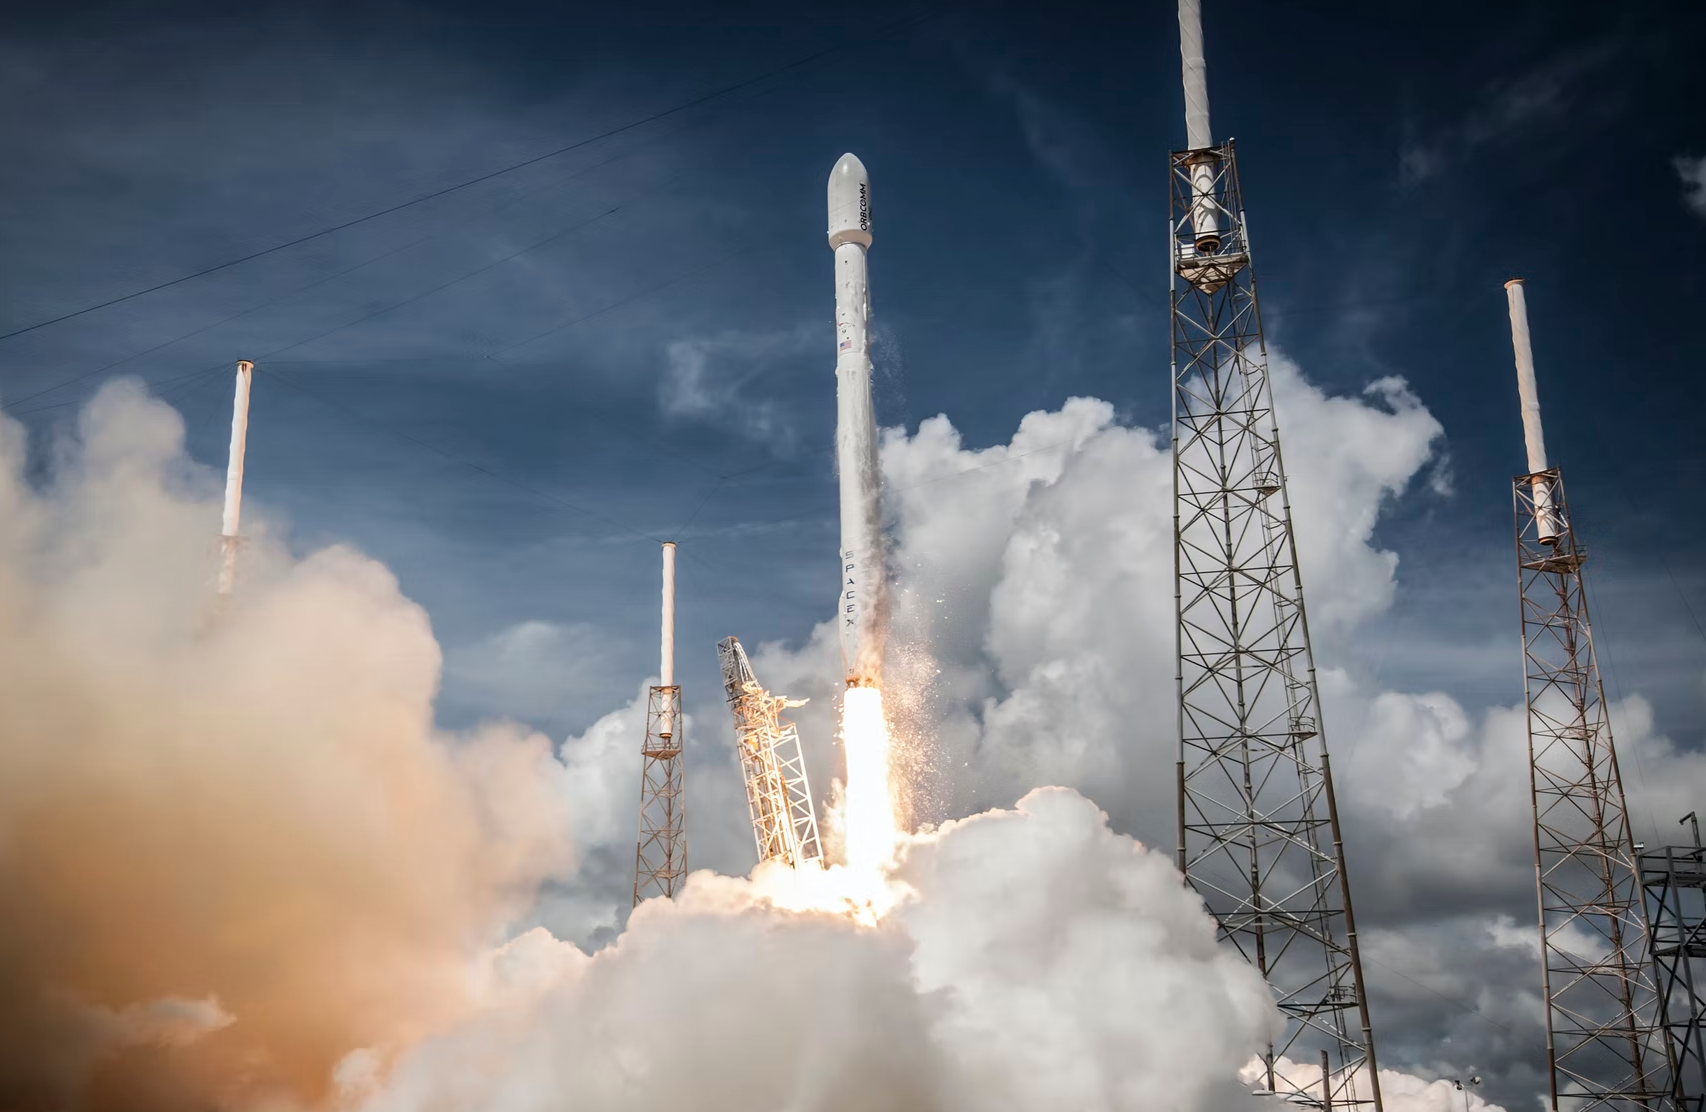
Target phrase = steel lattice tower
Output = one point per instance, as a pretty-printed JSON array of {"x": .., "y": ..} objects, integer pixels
[
  {"x": 1675, "y": 882},
  {"x": 1605, "y": 1045},
  {"x": 660, "y": 856},
  {"x": 1258, "y": 826},
  {"x": 778, "y": 796}
]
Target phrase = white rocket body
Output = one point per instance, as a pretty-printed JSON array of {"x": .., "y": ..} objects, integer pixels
[
  {"x": 861, "y": 610},
  {"x": 1547, "y": 525},
  {"x": 234, "y": 478}
]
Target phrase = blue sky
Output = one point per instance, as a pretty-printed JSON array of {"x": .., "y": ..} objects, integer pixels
[
  {"x": 511, "y": 391},
  {"x": 1399, "y": 167}
]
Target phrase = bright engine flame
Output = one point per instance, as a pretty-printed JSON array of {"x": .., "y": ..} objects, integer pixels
[
  {"x": 861, "y": 887},
  {"x": 868, "y": 822}
]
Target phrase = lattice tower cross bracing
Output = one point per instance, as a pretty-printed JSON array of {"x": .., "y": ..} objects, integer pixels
[
  {"x": 1674, "y": 880},
  {"x": 1605, "y": 1045},
  {"x": 1259, "y": 835},
  {"x": 660, "y": 856},
  {"x": 778, "y": 795}
]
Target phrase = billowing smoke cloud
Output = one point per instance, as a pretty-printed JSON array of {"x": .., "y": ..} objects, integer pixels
[
  {"x": 241, "y": 870},
  {"x": 1034, "y": 588},
  {"x": 1042, "y": 962},
  {"x": 1033, "y": 645},
  {"x": 231, "y": 846}
]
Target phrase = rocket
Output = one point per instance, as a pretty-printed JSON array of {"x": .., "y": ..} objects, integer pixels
[{"x": 861, "y": 609}]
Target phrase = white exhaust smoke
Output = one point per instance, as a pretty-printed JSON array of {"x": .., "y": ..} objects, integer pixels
[{"x": 240, "y": 870}]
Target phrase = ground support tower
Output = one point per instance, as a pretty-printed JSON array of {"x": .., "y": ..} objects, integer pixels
[
  {"x": 660, "y": 858},
  {"x": 778, "y": 795},
  {"x": 1258, "y": 834},
  {"x": 1674, "y": 879},
  {"x": 1605, "y": 1044},
  {"x": 660, "y": 855}
]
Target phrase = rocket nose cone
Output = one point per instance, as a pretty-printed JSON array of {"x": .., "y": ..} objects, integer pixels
[
  {"x": 848, "y": 165},
  {"x": 849, "y": 202}
]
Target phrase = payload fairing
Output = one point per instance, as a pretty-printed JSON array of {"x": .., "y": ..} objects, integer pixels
[{"x": 862, "y": 608}]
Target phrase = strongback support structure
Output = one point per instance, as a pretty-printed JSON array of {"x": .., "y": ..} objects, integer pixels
[
  {"x": 1258, "y": 830},
  {"x": 778, "y": 796},
  {"x": 660, "y": 857},
  {"x": 1605, "y": 1046},
  {"x": 1674, "y": 879}
]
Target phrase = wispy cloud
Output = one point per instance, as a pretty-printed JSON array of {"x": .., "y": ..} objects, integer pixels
[
  {"x": 1544, "y": 95},
  {"x": 707, "y": 379},
  {"x": 1693, "y": 174}
]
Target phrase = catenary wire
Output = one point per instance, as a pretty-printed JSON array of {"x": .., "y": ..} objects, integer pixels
[
  {"x": 483, "y": 214},
  {"x": 861, "y": 43}
]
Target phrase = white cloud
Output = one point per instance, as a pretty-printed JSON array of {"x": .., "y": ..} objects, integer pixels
[
  {"x": 168, "y": 1020},
  {"x": 1545, "y": 95},
  {"x": 244, "y": 813},
  {"x": 707, "y": 379},
  {"x": 1043, "y": 961},
  {"x": 1045, "y": 954},
  {"x": 533, "y": 669},
  {"x": 1692, "y": 171}
]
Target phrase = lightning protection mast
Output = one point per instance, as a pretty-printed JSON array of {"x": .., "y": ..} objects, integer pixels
[
  {"x": 1605, "y": 1041},
  {"x": 660, "y": 857},
  {"x": 229, "y": 536},
  {"x": 1259, "y": 835},
  {"x": 778, "y": 796}
]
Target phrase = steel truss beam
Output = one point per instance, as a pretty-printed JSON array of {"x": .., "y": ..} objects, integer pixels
[
  {"x": 1605, "y": 1043},
  {"x": 778, "y": 796},
  {"x": 660, "y": 856},
  {"x": 1674, "y": 879},
  {"x": 1258, "y": 827}
]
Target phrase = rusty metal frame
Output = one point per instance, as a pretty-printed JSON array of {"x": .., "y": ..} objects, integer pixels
[
  {"x": 1605, "y": 1043},
  {"x": 660, "y": 855},
  {"x": 1674, "y": 879},
  {"x": 1259, "y": 835}
]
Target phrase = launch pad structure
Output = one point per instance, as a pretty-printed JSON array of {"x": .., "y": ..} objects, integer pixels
[
  {"x": 660, "y": 855},
  {"x": 1674, "y": 880},
  {"x": 778, "y": 795},
  {"x": 1606, "y": 1046},
  {"x": 1258, "y": 825}
]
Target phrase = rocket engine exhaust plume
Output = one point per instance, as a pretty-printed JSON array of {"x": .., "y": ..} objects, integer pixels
[{"x": 229, "y": 855}]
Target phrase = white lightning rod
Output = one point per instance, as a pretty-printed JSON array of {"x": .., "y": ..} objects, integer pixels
[
  {"x": 234, "y": 478},
  {"x": 666, "y": 665},
  {"x": 1197, "y": 133},
  {"x": 1198, "y": 137},
  {"x": 666, "y": 653},
  {"x": 1547, "y": 524}
]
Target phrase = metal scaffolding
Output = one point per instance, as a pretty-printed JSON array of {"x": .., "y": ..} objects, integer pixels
[
  {"x": 778, "y": 796},
  {"x": 1605, "y": 1044},
  {"x": 660, "y": 855},
  {"x": 1674, "y": 879},
  {"x": 1258, "y": 825}
]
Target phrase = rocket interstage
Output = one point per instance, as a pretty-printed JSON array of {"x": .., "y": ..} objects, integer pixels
[{"x": 862, "y": 607}]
